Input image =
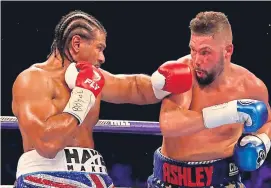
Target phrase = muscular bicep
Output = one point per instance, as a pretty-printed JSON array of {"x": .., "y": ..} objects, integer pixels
[
  {"x": 265, "y": 98},
  {"x": 32, "y": 102},
  {"x": 256, "y": 89},
  {"x": 259, "y": 91},
  {"x": 112, "y": 87}
]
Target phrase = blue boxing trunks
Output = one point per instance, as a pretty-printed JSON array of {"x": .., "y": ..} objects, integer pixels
[
  {"x": 72, "y": 167},
  {"x": 209, "y": 174}
]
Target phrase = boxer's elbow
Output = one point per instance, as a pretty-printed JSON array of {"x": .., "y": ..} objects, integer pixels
[
  {"x": 167, "y": 121},
  {"x": 266, "y": 128},
  {"x": 47, "y": 149},
  {"x": 173, "y": 125},
  {"x": 143, "y": 91}
]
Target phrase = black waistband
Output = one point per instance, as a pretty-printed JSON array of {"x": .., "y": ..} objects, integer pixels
[{"x": 195, "y": 174}]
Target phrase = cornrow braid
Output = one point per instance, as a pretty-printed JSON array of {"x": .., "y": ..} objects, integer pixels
[{"x": 74, "y": 23}]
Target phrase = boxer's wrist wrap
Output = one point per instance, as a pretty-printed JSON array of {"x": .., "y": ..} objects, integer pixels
[
  {"x": 79, "y": 104},
  {"x": 266, "y": 141},
  {"x": 215, "y": 116},
  {"x": 158, "y": 82}
]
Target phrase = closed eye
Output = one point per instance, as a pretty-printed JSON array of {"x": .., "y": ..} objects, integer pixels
[{"x": 204, "y": 52}]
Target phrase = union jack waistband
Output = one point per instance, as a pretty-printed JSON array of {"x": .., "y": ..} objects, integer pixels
[{"x": 69, "y": 179}]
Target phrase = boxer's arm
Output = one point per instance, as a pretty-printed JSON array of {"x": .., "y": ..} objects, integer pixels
[
  {"x": 266, "y": 128},
  {"x": 175, "y": 117},
  {"x": 259, "y": 91},
  {"x": 251, "y": 149},
  {"x": 38, "y": 117},
  {"x": 133, "y": 89}
]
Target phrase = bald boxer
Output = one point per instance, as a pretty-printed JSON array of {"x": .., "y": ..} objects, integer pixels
[
  {"x": 57, "y": 104},
  {"x": 221, "y": 126}
]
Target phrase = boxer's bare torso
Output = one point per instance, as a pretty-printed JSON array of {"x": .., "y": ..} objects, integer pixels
[
  {"x": 50, "y": 80},
  {"x": 214, "y": 143},
  {"x": 40, "y": 94}
]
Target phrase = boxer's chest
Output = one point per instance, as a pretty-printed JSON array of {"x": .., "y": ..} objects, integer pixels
[{"x": 202, "y": 98}]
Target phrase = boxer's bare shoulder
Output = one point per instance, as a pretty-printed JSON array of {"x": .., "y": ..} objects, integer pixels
[
  {"x": 185, "y": 59},
  {"x": 255, "y": 87},
  {"x": 37, "y": 82},
  {"x": 29, "y": 81}
]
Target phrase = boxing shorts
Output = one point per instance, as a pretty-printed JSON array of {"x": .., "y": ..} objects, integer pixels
[
  {"x": 72, "y": 167},
  {"x": 208, "y": 174}
]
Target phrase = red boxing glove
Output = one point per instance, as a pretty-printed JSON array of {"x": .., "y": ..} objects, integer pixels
[
  {"x": 86, "y": 82},
  {"x": 89, "y": 77},
  {"x": 171, "y": 77}
]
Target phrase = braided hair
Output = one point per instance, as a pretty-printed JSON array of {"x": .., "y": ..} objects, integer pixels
[{"x": 75, "y": 23}]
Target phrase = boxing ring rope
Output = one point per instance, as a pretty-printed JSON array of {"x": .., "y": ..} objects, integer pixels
[
  {"x": 102, "y": 126},
  {"x": 106, "y": 126}
]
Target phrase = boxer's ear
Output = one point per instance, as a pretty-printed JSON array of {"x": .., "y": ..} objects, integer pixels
[
  {"x": 228, "y": 50},
  {"x": 75, "y": 43}
]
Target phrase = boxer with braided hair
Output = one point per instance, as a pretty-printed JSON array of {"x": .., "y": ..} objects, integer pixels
[
  {"x": 57, "y": 104},
  {"x": 76, "y": 22}
]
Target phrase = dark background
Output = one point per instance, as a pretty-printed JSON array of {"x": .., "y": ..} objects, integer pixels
[{"x": 141, "y": 36}]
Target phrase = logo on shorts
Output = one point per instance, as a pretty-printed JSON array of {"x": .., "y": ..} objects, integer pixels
[
  {"x": 86, "y": 160},
  {"x": 187, "y": 176},
  {"x": 233, "y": 169}
]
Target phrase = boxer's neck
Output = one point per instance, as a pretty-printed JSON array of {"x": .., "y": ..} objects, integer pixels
[{"x": 56, "y": 61}]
